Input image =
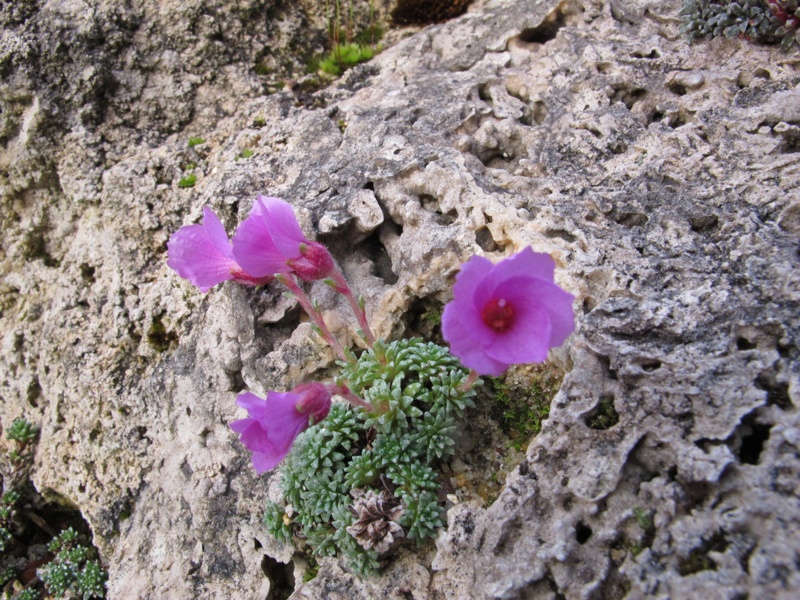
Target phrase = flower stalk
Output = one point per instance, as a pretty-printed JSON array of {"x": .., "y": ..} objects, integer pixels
[
  {"x": 313, "y": 313},
  {"x": 339, "y": 283}
]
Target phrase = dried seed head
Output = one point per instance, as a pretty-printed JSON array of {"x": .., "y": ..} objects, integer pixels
[{"x": 376, "y": 526}]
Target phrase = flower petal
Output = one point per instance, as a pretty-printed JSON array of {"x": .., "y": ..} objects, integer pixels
[
  {"x": 473, "y": 272},
  {"x": 526, "y": 263},
  {"x": 216, "y": 232},
  {"x": 282, "y": 223},
  {"x": 271, "y": 427},
  {"x": 263, "y": 461},
  {"x": 562, "y": 316},
  {"x": 542, "y": 312},
  {"x": 528, "y": 338},
  {"x": 241, "y": 425},
  {"x": 256, "y": 407},
  {"x": 254, "y": 248},
  {"x": 194, "y": 256},
  {"x": 463, "y": 344}
]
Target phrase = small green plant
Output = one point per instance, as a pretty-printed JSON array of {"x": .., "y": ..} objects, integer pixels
[
  {"x": 27, "y": 594},
  {"x": 259, "y": 122},
  {"x": 187, "y": 181},
  {"x": 359, "y": 481},
  {"x": 644, "y": 519},
  {"x": 195, "y": 141},
  {"x": 767, "y": 21},
  {"x": 246, "y": 153},
  {"x": 345, "y": 56},
  {"x": 348, "y": 48},
  {"x": 72, "y": 570},
  {"x": 22, "y": 432}
]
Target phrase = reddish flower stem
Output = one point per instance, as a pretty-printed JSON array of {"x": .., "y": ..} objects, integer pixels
[
  {"x": 469, "y": 381},
  {"x": 361, "y": 315},
  {"x": 313, "y": 313},
  {"x": 346, "y": 393}
]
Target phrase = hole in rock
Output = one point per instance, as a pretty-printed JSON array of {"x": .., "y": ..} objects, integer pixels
[
  {"x": 159, "y": 337},
  {"x": 650, "y": 366},
  {"x": 431, "y": 204},
  {"x": 657, "y": 115},
  {"x": 703, "y": 223},
  {"x": 236, "y": 382},
  {"x": 676, "y": 88},
  {"x": 606, "y": 362},
  {"x": 627, "y": 94},
  {"x": 561, "y": 234},
  {"x": 539, "y": 112},
  {"x": 87, "y": 273},
  {"x": 753, "y": 443},
  {"x": 374, "y": 250},
  {"x": 631, "y": 219},
  {"x": 280, "y": 575},
  {"x": 369, "y": 186},
  {"x": 36, "y": 521},
  {"x": 699, "y": 560},
  {"x": 649, "y": 55},
  {"x": 408, "y": 12},
  {"x": 742, "y": 343},
  {"x": 777, "y": 392},
  {"x": 582, "y": 533},
  {"x": 509, "y": 536},
  {"x": 256, "y": 544},
  {"x": 34, "y": 392},
  {"x": 548, "y": 29},
  {"x": 484, "y": 239},
  {"x": 604, "y": 415},
  {"x": 424, "y": 319}
]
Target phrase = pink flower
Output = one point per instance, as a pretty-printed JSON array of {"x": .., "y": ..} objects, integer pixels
[
  {"x": 508, "y": 313},
  {"x": 273, "y": 424},
  {"x": 270, "y": 241},
  {"x": 203, "y": 255}
]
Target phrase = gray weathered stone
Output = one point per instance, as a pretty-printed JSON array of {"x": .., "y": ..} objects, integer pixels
[{"x": 662, "y": 178}]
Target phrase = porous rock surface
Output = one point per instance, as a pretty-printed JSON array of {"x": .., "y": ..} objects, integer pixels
[{"x": 662, "y": 178}]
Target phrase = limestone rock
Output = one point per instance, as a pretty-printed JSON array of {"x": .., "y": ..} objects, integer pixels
[{"x": 661, "y": 177}]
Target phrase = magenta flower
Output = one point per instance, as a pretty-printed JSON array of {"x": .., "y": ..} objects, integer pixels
[
  {"x": 508, "y": 313},
  {"x": 203, "y": 255},
  {"x": 270, "y": 241},
  {"x": 273, "y": 424}
]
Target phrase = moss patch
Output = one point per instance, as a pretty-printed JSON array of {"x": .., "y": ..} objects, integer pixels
[{"x": 522, "y": 400}]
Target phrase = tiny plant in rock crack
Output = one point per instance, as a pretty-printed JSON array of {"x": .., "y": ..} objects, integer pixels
[
  {"x": 70, "y": 569},
  {"x": 347, "y": 48},
  {"x": 365, "y": 474},
  {"x": 187, "y": 181},
  {"x": 72, "y": 572},
  {"x": 768, "y": 21},
  {"x": 359, "y": 477}
]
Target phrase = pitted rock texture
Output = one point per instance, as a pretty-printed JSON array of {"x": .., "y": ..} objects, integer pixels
[{"x": 662, "y": 178}]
